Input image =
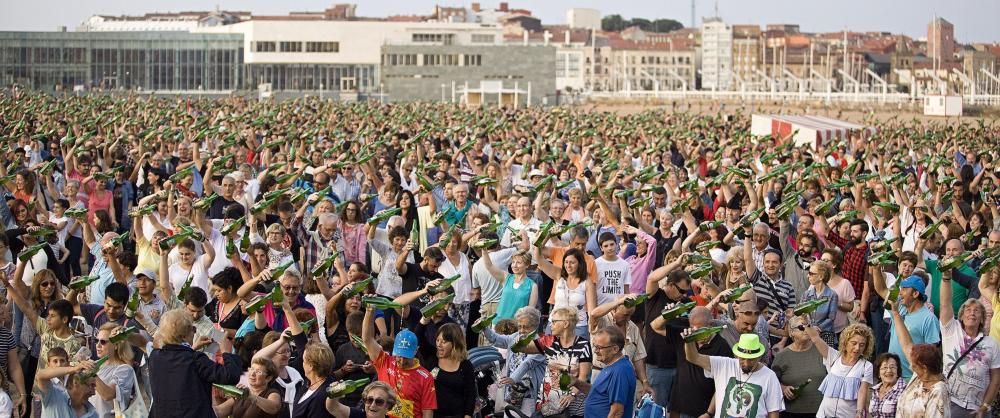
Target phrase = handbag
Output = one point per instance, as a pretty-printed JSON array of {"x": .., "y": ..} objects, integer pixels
[{"x": 137, "y": 409}]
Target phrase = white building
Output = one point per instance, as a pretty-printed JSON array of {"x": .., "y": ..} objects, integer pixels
[
  {"x": 161, "y": 22},
  {"x": 716, "y": 55},
  {"x": 581, "y": 18}
]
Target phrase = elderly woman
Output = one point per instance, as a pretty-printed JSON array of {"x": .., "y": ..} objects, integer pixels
[
  {"x": 886, "y": 393},
  {"x": 800, "y": 370},
  {"x": 819, "y": 275},
  {"x": 184, "y": 377},
  {"x": 523, "y": 375},
  {"x": 261, "y": 399},
  {"x": 972, "y": 359},
  {"x": 926, "y": 394},
  {"x": 284, "y": 351},
  {"x": 849, "y": 375},
  {"x": 317, "y": 362},
  {"x": 378, "y": 397}
]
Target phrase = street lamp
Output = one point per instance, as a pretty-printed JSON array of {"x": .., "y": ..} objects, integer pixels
[
  {"x": 321, "y": 91},
  {"x": 442, "y": 93}
]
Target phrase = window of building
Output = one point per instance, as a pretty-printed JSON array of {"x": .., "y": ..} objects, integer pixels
[
  {"x": 291, "y": 46},
  {"x": 482, "y": 38},
  {"x": 473, "y": 60},
  {"x": 264, "y": 46},
  {"x": 322, "y": 47},
  {"x": 445, "y": 38}
]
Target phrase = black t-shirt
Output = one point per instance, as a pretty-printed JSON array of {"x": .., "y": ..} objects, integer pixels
[
  {"x": 220, "y": 203},
  {"x": 660, "y": 352},
  {"x": 347, "y": 351},
  {"x": 426, "y": 336},
  {"x": 696, "y": 389},
  {"x": 415, "y": 277},
  {"x": 663, "y": 246},
  {"x": 456, "y": 391}
]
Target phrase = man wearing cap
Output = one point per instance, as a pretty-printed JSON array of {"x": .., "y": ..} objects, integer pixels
[
  {"x": 923, "y": 326},
  {"x": 150, "y": 304},
  {"x": 414, "y": 384},
  {"x": 744, "y": 386}
]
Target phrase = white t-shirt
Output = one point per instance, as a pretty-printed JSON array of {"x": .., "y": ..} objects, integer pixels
[
  {"x": 967, "y": 384},
  {"x": 179, "y": 275},
  {"x": 612, "y": 277},
  {"x": 738, "y": 394},
  {"x": 861, "y": 370},
  {"x": 463, "y": 286},
  {"x": 532, "y": 226},
  {"x": 489, "y": 287}
]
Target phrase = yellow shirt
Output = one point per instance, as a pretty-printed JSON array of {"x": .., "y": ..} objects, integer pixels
[
  {"x": 995, "y": 322},
  {"x": 147, "y": 258}
]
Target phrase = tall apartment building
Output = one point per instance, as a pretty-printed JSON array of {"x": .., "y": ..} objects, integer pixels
[
  {"x": 716, "y": 54},
  {"x": 940, "y": 40}
]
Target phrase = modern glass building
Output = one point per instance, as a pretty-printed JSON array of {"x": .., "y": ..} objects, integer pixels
[{"x": 144, "y": 60}]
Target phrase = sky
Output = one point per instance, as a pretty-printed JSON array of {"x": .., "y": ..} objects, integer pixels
[{"x": 974, "y": 20}]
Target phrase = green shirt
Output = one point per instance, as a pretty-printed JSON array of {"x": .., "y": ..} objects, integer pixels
[
  {"x": 959, "y": 293},
  {"x": 793, "y": 369}
]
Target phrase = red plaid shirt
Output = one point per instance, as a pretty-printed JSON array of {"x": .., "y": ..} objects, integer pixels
[{"x": 855, "y": 267}]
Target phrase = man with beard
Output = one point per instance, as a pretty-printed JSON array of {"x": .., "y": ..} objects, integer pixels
[
  {"x": 799, "y": 253},
  {"x": 744, "y": 386},
  {"x": 856, "y": 252}
]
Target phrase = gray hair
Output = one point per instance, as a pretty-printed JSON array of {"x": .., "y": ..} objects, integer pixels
[
  {"x": 531, "y": 314},
  {"x": 327, "y": 218}
]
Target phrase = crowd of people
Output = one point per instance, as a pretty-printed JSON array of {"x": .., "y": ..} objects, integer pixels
[{"x": 307, "y": 258}]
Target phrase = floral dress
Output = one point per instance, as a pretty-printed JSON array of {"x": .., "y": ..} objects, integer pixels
[{"x": 920, "y": 402}]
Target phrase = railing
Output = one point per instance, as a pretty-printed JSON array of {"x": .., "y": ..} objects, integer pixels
[{"x": 786, "y": 96}]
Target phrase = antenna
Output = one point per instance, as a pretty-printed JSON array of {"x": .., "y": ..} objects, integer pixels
[
  {"x": 693, "y": 25},
  {"x": 717, "y": 8}
]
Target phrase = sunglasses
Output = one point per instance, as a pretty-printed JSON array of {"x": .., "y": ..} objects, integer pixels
[
  {"x": 46, "y": 284},
  {"x": 375, "y": 401},
  {"x": 103, "y": 342}
]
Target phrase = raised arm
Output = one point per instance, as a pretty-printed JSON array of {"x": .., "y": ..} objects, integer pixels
[
  {"x": 905, "y": 340},
  {"x": 813, "y": 332},
  {"x": 946, "y": 310},
  {"x": 692, "y": 355},
  {"x": 16, "y": 293},
  {"x": 748, "y": 263},
  {"x": 368, "y": 334}
]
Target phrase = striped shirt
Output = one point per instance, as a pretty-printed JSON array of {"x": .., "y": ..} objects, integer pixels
[
  {"x": 777, "y": 294},
  {"x": 346, "y": 189}
]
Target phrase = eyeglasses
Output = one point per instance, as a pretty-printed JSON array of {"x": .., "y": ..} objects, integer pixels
[
  {"x": 600, "y": 348},
  {"x": 375, "y": 401},
  {"x": 256, "y": 373},
  {"x": 103, "y": 342}
]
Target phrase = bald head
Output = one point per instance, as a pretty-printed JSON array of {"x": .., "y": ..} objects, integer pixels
[
  {"x": 700, "y": 316},
  {"x": 953, "y": 247},
  {"x": 993, "y": 239}
]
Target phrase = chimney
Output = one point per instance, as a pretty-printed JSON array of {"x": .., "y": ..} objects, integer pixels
[
  {"x": 476, "y": 8},
  {"x": 567, "y": 37},
  {"x": 503, "y": 6},
  {"x": 547, "y": 35}
]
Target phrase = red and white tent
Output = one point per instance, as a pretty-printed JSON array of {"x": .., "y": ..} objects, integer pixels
[{"x": 812, "y": 130}]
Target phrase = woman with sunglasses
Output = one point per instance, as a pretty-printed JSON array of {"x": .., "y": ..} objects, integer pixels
[
  {"x": 261, "y": 400},
  {"x": 795, "y": 365},
  {"x": 45, "y": 289},
  {"x": 115, "y": 379},
  {"x": 378, "y": 397}
]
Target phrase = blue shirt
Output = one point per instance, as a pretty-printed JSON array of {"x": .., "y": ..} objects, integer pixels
[
  {"x": 102, "y": 269},
  {"x": 55, "y": 404},
  {"x": 924, "y": 329},
  {"x": 615, "y": 384}
]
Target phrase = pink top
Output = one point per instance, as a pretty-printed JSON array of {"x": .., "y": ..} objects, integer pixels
[
  {"x": 355, "y": 242},
  {"x": 96, "y": 200},
  {"x": 641, "y": 266}
]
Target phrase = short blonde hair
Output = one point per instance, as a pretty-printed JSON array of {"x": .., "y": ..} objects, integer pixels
[
  {"x": 568, "y": 313},
  {"x": 320, "y": 357},
  {"x": 378, "y": 384},
  {"x": 854, "y": 330},
  {"x": 175, "y": 327}
]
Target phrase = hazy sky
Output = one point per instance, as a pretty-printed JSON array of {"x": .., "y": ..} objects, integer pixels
[{"x": 974, "y": 20}]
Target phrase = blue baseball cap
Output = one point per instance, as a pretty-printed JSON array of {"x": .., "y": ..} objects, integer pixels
[
  {"x": 915, "y": 283},
  {"x": 405, "y": 345}
]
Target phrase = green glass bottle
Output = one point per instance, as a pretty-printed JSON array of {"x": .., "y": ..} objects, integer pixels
[
  {"x": 797, "y": 390},
  {"x": 280, "y": 270},
  {"x": 565, "y": 380},
  {"x": 29, "y": 252},
  {"x": 132, "y": 306},
  {"x": 703, "y": 333},
  {"x": 360, "y": 286},
  {"x": 345, "y": 387},
  {"x": 181, "y": 294},
  {"x": 637, "y": 300},
  {"x": 483, "y": 322},
  {"x": 82, "y": 282},
  {"x": 324, "y": 265},
  {"x": 677, "y": 310},
  {"x": 230, "y": 247},
  {"x": 444, "y": 285},
  {"x": 809, "y": 306},
  {"x": 737, "y": 292},
  {"x": 380, "y": 302},
  {"x": 87, "y": 375},
  {"x": 523, "y": 342},
  {"x": 205, "y": 202},
  {"x": 384, "y": 215},
  {"x": 123, "y": 334},
  {"x": 436, "y": 305},
  {"x": 231, "y": 391},
  {"x": 307, "y": 325},
  {"x": 245, "y": 241}
]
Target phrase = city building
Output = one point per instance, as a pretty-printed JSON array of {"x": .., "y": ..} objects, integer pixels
[
  {"x": 582, "y": 18},
  {"x": 511, "y": 75},
  {"x": 716, "y": 55}
]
